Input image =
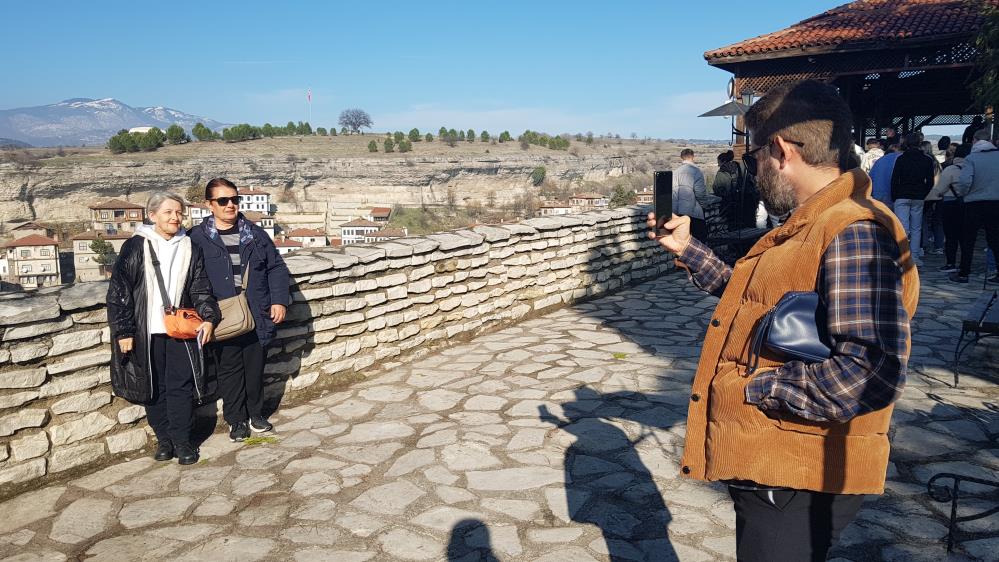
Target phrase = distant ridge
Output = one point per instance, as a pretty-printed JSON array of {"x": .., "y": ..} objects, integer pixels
[
  {"x": 78, "y": 121},
  {"x": 11, "y": 143}
]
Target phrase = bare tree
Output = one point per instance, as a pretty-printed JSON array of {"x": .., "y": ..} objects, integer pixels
[{"x": 355, "y": 119}]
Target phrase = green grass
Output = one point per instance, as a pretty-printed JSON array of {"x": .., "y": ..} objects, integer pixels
[
  {"x": 619, "y": 355},
  {"x": 253, "y": 441}
]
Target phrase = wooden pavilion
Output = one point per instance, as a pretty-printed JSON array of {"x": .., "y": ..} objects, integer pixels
[{"x": 900, "y": 64}]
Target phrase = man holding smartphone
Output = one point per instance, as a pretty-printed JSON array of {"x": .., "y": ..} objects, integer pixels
[
  {"x": 799, "y": 444},
  {"x": 234, "y": 247}
]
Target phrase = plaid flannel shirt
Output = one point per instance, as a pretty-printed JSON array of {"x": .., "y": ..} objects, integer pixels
[{"x": 860, "y": 283}]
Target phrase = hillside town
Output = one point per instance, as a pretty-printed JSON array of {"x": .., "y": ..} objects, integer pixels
[{"x": 36, "y": 256}]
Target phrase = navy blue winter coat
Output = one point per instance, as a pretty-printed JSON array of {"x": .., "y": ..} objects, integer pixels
[{"x": 268, "y": 282}]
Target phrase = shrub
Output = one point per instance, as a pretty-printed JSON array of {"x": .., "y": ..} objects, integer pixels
[
  {"x": 389, "y": 145},
  {"x": 175, "y": 134},
  {"x": 470, "y": 135},
  {"x": 405, "y": 145},
  {"x": 429, "y": 138},
  {"x": 538, "y": 175},
  {"x": 484, "y": 136},
  {"x": 321, "y": 131},
  {"x": 398, "y": 136},
  {"x": 372, "y": 146},
  {"x": 414, "y": 135}
]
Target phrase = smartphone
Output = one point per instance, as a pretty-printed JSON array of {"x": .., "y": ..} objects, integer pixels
[{"x": 662, "y": 198}]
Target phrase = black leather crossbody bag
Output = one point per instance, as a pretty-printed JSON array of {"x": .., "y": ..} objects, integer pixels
[{"x": 795, "y": 327}]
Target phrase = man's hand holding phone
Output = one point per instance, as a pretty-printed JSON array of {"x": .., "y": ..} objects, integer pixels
[{"x": 674, "y": 234}]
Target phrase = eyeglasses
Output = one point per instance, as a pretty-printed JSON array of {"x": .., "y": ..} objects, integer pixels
[
  {"x": 224, "y": 201},
  {"x": 749, "y": 158}
]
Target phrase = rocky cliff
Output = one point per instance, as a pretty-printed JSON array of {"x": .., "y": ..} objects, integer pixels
[{"x": 54, "y": 191}]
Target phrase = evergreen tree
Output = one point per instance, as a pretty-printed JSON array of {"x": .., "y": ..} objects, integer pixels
[
  {"x": 332, "y": 131},
  {"x": 372, "y": 146},
  {"x": 470, "y": 135},
  {"x": 202, "y": 133},
  {"x": 622, "y": 197},
  {"x": 321, "y": 131},
  {"x": 106, "y": 255},
  {"x": 442, "y": 132},
  {"x": 414, "y": 135},
  {"x": 399, "y": 137},
  {"x": 429, "y": 138},
  {"x": 484, "y": 136},
  {"x": 405, "y": 145},
  {"x": 389, "y": 145},
  {"x": 461, "y": 135},
  {"x": 267, "y": 130},
  {"x": 175, "y": 134}
]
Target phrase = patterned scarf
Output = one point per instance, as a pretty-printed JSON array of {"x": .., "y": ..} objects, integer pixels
[{"x": 245, "y": 233}]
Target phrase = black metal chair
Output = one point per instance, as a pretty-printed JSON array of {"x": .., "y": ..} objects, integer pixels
[{"x": 952, "y": 494}]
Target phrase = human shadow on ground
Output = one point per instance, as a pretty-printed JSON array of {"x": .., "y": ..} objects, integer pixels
[
  {"x": 470, "y": 542},
  {"x": 607, "y": 482}
]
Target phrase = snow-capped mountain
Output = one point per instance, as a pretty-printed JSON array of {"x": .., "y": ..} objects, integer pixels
[{"x": 79, "y": 121}]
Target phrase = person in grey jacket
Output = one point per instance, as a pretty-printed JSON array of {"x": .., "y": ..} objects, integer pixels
[
  {"x": 689, "y": 191},
  {"x": 980, "y": 181}
]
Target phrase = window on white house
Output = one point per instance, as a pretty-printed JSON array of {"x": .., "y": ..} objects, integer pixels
[
  {"x": 45, "y": 252},
  {"x": 25, "y": 253}
]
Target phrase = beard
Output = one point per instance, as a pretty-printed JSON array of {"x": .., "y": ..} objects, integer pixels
[{"x": 775, "y": 191}]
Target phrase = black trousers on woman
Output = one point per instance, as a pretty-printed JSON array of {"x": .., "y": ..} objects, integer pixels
[
  {"x": 239, "y": 363},
  {"x": 952, "y": 215},
  {"x": 171, "y": 413}
]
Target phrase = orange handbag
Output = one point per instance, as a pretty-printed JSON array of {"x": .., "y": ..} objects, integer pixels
[{"x": 181, "y": 323}]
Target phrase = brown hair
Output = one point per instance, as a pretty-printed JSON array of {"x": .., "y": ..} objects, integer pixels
[
  {"x": 218, "y": 182},
  {"x": 807, "y": 112},
  {"x": 687, "y": 153}
]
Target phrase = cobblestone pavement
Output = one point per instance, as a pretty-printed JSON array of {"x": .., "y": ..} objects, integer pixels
[{"x": 556, "y": 439}]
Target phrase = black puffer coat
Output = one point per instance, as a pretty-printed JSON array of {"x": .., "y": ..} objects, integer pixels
[{"x": 131, "y": 373}]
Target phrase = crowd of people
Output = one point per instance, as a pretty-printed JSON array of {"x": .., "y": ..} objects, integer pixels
[
  {"x": 164, "y": 309},
  {"x": 943, "y": 195}
]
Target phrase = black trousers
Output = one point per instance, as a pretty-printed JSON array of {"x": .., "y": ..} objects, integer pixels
[
  {"x": 796, "y": 525},
  {"x": 978, "y": 215},
  {"x": 699, "y": 229},
  {"x": 171, "y": 413},
  {"x": 239, "y": 364},
  {"x": 952, "y": 214}
]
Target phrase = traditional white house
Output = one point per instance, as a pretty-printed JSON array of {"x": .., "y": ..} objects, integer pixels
[
  {"x": 386, "y": 234},
  {"x": 644, "y": 196},
  {"x": 115, "y": 215},
  {"x": 85, "y": 258},
  {"x": 354, "y": 232},
  {"x": 309, "y": 237},
  {"x": 285, "y": 245},
  {"x": 263, "y": 220},
  {"x": 379, "y": 214},
  {"x": 255, "y": 200},
  {"x": 29, "y": 228},
  {"x": 554, "y": 208},
  {"x": 31, "y": 262},
  {"x": 197, "y": 212},
  {"x": 589, "y": 201}
]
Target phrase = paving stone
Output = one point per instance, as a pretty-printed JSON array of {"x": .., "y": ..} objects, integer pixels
[
  {"x": 187, "y": 533},
  {"x": 443, "y": 519},
  {"x": 250, "y": 483},
  {"x": 368, "y": 454},
  {"x": 25, "y": 509},
  {"x": 321, "y": 534},
  {"x": 376, "y": 431},
  {"x": 411, "y": 461},
  {"x": 360, "y": 524},
  {"x": 81, "y": 520},
  {"x": 388, "y": 499},
  {"x": 316, "y": 509},
  {"x": 351, "y": 409},
  {"x": 230, "y": 548},
  {"x": 403, "y": 544},
  {"x": 466, "y": 456},
  {"x": 324, "y": 554},
  {"x": 439, "y": 400},
  {"x": 133, "y": 547},
  {"x": 152, "y": 483},
  {"x": 159, "y": 510},
  {"x": 568, "y": 554},
  {"x": 316, "y": 483},
  {"x": 386, "y": 393},
  {"x": 483, "y": 402},
  {"x": 519, "y": 478},
  {"x": 559, "y": 535},
  {"x": 215, "y": 506}
]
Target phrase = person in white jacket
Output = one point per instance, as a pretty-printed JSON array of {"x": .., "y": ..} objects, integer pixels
[{"x": 949, "y": 198}]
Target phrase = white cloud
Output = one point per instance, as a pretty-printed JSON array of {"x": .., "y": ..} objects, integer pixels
[{"x": 672, "y": 116}]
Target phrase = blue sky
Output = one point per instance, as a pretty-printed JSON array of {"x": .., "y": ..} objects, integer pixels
[{"x": 554, "y": 66}]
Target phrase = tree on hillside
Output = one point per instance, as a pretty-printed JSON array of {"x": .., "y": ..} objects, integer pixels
[
  {"x": 372, "y": 146},
  {"x": 398, "y": 137},
  {"x": 321, "y": 131},
  {"x": 202, "y": 133},
  {"x": 505, "y": 136},
  {"x": 405, "y": 145},
  {"x": 105, "y": 253},
  {"x": 622, "y": 197},
  {"x": 332, "y": 131},
  {"x": 355, "y": 120},
  {"x": 429, "y": 138},
  {"x": 175, "y": 134},
  {"x": 414, "y": 135},
  {"x": 442, "y": 132},
  {"x": 151, "y": 140},
  {"x": 461, "y": 135},
  {"x": 470, "y": 135},
  {"x": 268, "y": 130},
  {"x": 484, "y": 136},
  {"x": 389, "y": 145}
]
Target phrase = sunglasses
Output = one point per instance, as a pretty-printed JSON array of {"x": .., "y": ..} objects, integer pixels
[
  {"x": 749, "y": 158},
  {"x": 224, "y": 201}
]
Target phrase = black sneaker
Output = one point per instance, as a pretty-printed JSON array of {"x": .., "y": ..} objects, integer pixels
[
  {"x": 958, "y": 278},
  {"x": 239, "y": 431},
  {"x": 949, "y": 268},
  {"x": 260, "y": 424},
  {"x": 186, "y": 454},
  {"x": 164, "y": 451}
]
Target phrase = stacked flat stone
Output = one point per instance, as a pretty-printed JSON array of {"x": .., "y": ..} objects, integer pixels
[{"x": 353, "y": 308}]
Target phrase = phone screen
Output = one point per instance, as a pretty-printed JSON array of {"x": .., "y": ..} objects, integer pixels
[{"x": 662, "y": 196}]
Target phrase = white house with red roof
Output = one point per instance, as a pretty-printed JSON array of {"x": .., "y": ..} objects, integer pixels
[
  {"x": 355, "y": 231},
  {"x": 115, "y": 215},
  {"x": 285, "y": 245},
  {"x": 31, "y": 262},
  {"x": 309, "y": 237}
]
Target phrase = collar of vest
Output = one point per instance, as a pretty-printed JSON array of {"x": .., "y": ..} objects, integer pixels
[{"x": 854, "y": 184}]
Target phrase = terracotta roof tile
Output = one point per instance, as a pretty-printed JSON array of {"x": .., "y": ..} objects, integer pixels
[
  {"x": 117, "y": 204},
  {"x": 863, "y": 22},
  {"x": 95, "y": 234},
  {"x": 306, "y": 233},
  {"x": 361, "y": 222},
  {"x": 32, "y": 240}
]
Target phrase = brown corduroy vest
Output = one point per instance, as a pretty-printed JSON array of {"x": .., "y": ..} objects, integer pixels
[{"x": 729, "y": 439}]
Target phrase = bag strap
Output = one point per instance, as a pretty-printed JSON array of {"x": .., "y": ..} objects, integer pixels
[
  {"x": 756, "y": 345},
  {"x": 167, "y": 305},
  {"x": 245, "y": 276}
]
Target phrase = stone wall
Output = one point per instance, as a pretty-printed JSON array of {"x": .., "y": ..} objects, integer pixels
[{"x": 354, "y": 311}]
